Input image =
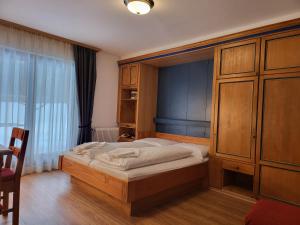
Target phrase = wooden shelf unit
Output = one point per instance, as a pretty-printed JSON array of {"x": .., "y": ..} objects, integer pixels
[{"x": 137, "y": 101}]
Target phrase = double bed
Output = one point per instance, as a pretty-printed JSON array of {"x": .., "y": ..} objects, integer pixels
[{"x": 138, "y": 189}]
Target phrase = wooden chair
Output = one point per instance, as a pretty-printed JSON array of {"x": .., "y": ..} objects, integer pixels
[{"x": 10, "y": 179}]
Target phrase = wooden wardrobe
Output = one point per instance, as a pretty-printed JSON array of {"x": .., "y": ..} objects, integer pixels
[{"x": 255, "y": 132}]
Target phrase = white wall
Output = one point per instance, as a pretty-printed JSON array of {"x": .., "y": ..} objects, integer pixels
[{"x": 106, "y": 93}]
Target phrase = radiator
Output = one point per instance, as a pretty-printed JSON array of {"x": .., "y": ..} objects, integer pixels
[{"x": 109, "y": 134}]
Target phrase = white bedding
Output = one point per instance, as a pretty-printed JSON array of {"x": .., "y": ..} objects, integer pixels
[
  {"x": 94, "y": 149},
  {"x": 141, "y": 157},
  {"x": 198, "y": 156},
  {"x": 143, "y": 172}
]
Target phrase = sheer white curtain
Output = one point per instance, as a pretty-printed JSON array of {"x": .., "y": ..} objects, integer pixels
[{"x": 38, "y": 92}]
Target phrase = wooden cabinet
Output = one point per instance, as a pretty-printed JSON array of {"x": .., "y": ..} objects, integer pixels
[
  {"x": 129, "y": 75},
  {"x": 137, "y": 101},
  {"x": 134, "y": 71},
  {"x": 281, "y": 53},
  {"x": 280, "y": 119},
  {"x": 238, "y": 59},
  {"x": 278, "y": 142},
  {"x": 235, "y": 115},
  {"x": 281, "y": 184},
  {"x": 235, "y": 118}
]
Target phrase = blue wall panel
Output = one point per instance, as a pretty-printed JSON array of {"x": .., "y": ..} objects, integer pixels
[{"x": 184, "y": 93}]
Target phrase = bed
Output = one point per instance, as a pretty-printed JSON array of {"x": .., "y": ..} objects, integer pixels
[{"x": 139, "y": 189}]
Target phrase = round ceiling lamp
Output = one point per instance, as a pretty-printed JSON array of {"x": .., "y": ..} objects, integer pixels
[{"x": 139, "y": 7}]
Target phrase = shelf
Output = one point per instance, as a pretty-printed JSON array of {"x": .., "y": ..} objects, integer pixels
[
  {"x": 128, "y": 99},
  {"x": 238, "y": 190},
  {"x": 127, "y": 125},
  {"x": 132, "y": 88},
  {"x": 237, "y": 183}
]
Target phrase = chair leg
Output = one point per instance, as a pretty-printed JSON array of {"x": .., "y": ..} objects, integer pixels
[
  {"x": 16, "y": 207},
  {"x": 5, "y": 203}
]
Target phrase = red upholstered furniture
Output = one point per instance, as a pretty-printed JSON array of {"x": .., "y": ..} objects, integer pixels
[
  {"x": 267, "y": 212},
  {"x": 10, "y": 178}
]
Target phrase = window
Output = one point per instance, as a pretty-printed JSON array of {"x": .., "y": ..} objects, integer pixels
[{"x": 38, "y": 92}]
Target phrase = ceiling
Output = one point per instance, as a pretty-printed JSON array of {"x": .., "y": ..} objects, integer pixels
[{"x": 107, "y": 24}]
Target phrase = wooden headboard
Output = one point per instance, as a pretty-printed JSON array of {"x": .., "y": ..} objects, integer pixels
[{"x": 182, "y": 138}]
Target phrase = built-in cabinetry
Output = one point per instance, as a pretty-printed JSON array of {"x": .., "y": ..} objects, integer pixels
[
  {"x": 255, "y": 116},
  {"x": 256, "y": 125},
  {"x": 137, "y": 101},
  {"x": 235, "y": 112},
  {"x": 278, "y": 148}
]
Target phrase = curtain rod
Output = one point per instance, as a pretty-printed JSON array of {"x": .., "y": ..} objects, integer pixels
[{"x": 42, "y": 33}]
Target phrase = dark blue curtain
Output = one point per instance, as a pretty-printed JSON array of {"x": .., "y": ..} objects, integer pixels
[{"x": 85, "y": 64}]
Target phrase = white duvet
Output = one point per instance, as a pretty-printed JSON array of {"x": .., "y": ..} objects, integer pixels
[
  {"x": 126, "y": 159},
  {"x": 91, "y": 149}
]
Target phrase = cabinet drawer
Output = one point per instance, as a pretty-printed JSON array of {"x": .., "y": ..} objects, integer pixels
[
  {"x": 281, "y": 53},
  {"x": 238, "y": 167},
  {"x": 280, "y": 184},
  {"x": 238, "y": 59}
]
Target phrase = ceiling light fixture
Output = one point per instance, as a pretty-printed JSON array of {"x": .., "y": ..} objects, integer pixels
[{"x": 139, "y": 7}]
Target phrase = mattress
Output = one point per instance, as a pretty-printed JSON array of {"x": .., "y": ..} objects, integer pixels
[
  {"x": 81, "y": 159},
  {"x": 139, "y": 173}
]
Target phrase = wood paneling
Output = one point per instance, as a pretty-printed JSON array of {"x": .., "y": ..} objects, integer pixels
[
  {"x": 215, "y": 172},
  {"x": 280, "y": 184},
  {"x": 181, "y": 138},
  {"x": 214, "y": 41},
  {"x": 280, "y": 129},
  {"x": 182, "y": 58},
  {"x": 281, "y": 53},
  {"x": 238, "y": 59},
  {"x": 147, "y": 97},
  {"x": 235, "y": 118}
]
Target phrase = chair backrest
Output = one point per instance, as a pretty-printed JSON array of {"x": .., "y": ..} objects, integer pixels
[{"x": 18, "y": 152}]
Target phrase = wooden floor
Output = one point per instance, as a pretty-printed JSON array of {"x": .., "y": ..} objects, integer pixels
[{"x": 50, "y": 199}]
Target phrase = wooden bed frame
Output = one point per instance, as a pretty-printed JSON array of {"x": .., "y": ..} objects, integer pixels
[{"x": 139, "y": 195}]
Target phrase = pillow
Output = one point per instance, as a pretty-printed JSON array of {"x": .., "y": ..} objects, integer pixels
[
  {"x": 156, "y": 141},
  {"x": 195, "y": 148}
]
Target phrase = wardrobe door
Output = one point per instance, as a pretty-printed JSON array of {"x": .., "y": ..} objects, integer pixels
[
  {"x": 125, "y": 75},
  {"x": 281, "y": 53},
  {"x": 235, "y": 118},
  {"x": 134, "y": 71},
  {"x": 280, "y": 119},
  {"x": 238, "y": 59}
]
